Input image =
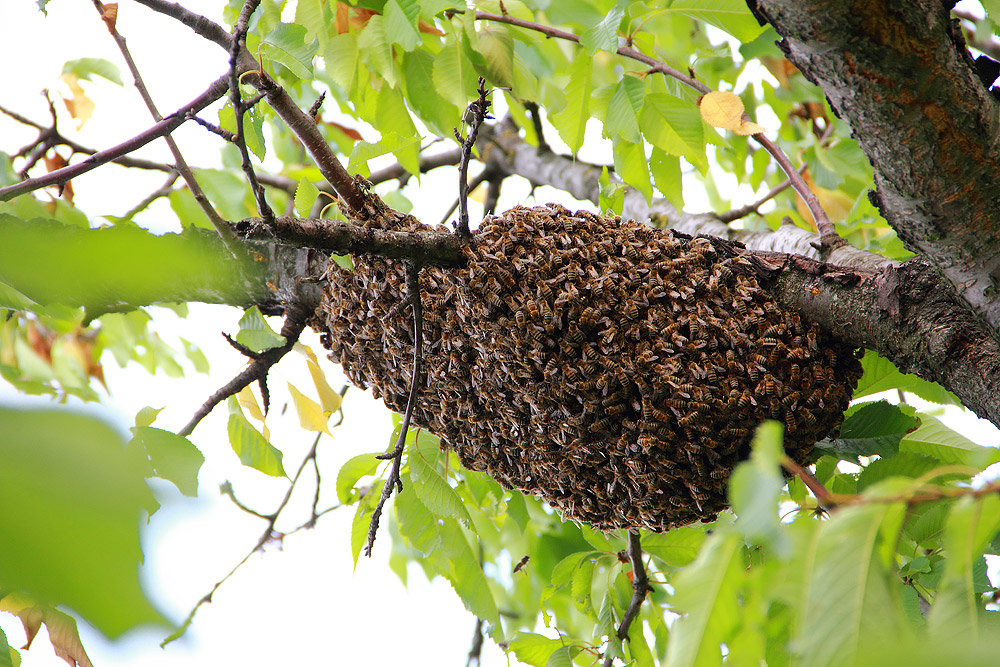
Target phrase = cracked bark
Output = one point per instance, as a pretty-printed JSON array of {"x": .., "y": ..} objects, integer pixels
[{"x": 900, "y": 74}]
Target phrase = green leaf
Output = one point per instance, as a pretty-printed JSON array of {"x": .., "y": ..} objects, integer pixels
[
  {"x": 6, "y": 652},
  {"x": 253, "y": 448},
  {"x": 73, "y": 501},
  {"x": 517, "y": 510},
  {"x": 571, "y": 121},
  {"x": 309, "y": 14},
  {"x": 957, "y": 612},
  {"x": 562, "y": 657},
  {"x": 437, "y": 112},
  {"x": 52, "y": 263},
  {"x": 604, "y": 35},
  {"x": 454, "y": 76},
  {"x": 172, "y": 457},
  {"x": 846, "y": 600},
  {"x": 466, "y": 575},
  {"x": 354, "y": 469},
  {"x": 631, "y": 166},
  {"x": 882, "y": 375},
  {"x": 666, "y": 171},
  {"x": 188, "y": 212},
  {"x": 705, "y": 593},
  {"x": 533, "y": 649},
  {"x": 870, "y": 429},
  {"x": 675, "y": 126},
  {"x": 429, "y": 484},
  {"x": 624, "y": 106},
  {"x": 581, "y": 582},
  {"x": 146, "y": 416},
  {"x": 729, "y": 15},
  {"x": 286, "y": 44},
  {"x": 305, "y": 196},
  {"x": 256, "y": 333},
  {"x": 677, "y": 547},
  {"x": 375, "y": 47},
  {"x": 400, "y": 28},
  {"x": 341, "y": 58},
  {"x": 909, "y": 466},
  {"x": 364, "y": 151},
  {"x": 755, "y": 486},
  {"x": 253, "y": 128},
  {"x": 936, "y": 440},
  {"x": 87, "y": 68},
  {"x": 361, "y": 523},
  {"x": 496, "y": 46}
]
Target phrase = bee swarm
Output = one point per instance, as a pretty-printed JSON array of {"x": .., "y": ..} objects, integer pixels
[{"x": 616, "y": 370}]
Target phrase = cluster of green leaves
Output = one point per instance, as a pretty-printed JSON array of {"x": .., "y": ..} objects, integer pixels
[{"x": 897, "y": 568}]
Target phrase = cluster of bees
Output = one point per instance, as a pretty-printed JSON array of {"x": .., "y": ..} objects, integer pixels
[{"x": 615, "y": 370}]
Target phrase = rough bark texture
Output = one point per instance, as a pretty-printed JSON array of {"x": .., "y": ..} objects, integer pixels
[{"x": 900, "y": 74}]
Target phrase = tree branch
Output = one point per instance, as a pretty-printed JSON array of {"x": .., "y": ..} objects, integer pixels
[
  {"x": 640, "y": 587},
  {"x": 900, "y": 74},
  {"x": 334, "y": 236},
  {"x": 160, "y": 129}
]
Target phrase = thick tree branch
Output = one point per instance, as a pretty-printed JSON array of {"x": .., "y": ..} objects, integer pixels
[
  {"x": 334, "y": 236},
  {"x": 900, "y": 74}
]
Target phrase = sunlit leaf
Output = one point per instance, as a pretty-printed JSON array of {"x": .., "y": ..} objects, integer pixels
[
  {"x": 311, "y": 415},
  {"x": 172, "y": 457},
  {"x": 253, "y": 448},
  {"x": 256, "y": 333},
  {"x": 725, "y": 110},
  {"x": 86, "y": 68},
  {"x": 870, "y": 429},
  {"x": 354, "y": 469},
  {"x": 571, "y": 122}
]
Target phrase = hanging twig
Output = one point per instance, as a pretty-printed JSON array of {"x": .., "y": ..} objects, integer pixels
[
  {"x": 640, "y": 587},
  {"x": 477, "y": 112},
  {"x": 477, "y": 645},
  {"x": 536, "y": 124},
  {"x": 396, "y": 455},
  {"x": 163, "y": 191}
]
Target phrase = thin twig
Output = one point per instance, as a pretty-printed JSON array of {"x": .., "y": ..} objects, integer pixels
[
  {"x": 163, "y": 191},
  {"x": 266, "y": 536},
  {"x": 640, "y": 587},
  {"x": 828, "y": 237},
  {"x": 494, "y": 182},
  {"x": 239, "y": 107},
  {"x": 226, "y": 135},
  {"x": 743, "y": 211},
  {"x": 477, "y": 644},
  {"x": 824, "y": 497},
  {"x": 257, "y": 370},
  {"x": 165, "y": 126},
  {"x": 220, "y": 225},
  {"x": 536, "y": 124},
  {"x": 477, "y": 112},
  {"x": 393, "y": 482},
  {"x": 476, "y": 182}
]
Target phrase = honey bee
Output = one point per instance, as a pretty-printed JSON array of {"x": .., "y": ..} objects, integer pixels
[
  {"x": 532, "y": 309},
  {"x": 790, "y": 421},
  {"x": 769, "y": 385},
  {"x": 519, "y": 318},
  {"x": 740, "y": 307},
  {"x": 795, "y": 374},
  {"x": 811, "y": 341},
  {"x": 588, "y": 318}
]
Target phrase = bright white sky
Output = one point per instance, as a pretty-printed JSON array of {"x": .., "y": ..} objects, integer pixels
[{"x": 301, "y": 604}]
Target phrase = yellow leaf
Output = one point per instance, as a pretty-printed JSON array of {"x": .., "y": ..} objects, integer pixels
[
  {"x": 327, "y": 396},
  {"x": 80, "y": 106},
  {"x": 249, "y": 403},
  {"x": 479, "y": 194},
  {"x": 725, "y": 110},
  {"x": 311, "y": 415}
]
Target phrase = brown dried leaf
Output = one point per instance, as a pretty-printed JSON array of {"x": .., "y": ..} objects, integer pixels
[
  {"x": 80, "y": 106},
  {"x": 63, "y": 633},
  {"x": 110, "y": 15}
]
